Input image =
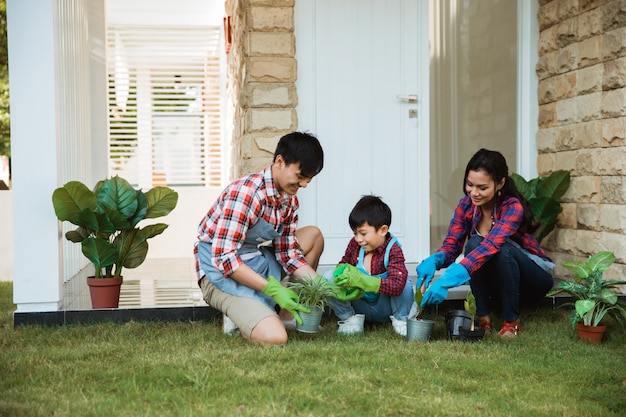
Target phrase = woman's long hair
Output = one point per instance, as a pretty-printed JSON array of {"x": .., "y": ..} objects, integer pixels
[{"x": 494, "y": 164}]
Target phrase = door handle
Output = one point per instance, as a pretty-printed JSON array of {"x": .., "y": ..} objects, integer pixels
[{"x": 410, "y": 98}]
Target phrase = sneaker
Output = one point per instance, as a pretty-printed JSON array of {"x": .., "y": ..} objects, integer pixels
[
  {"x": 398, "y": 325},
  {"x": 510, "y": 329},
  {"x": 228, "y": 325},
  {"x": 351, "y": 325}
]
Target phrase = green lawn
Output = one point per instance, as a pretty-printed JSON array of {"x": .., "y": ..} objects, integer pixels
[{"x": 192, "y": 369}]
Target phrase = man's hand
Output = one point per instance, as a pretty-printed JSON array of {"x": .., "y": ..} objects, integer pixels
[
  {"x": 285, "y": 298},
  {"x": 347, "y": 275}
]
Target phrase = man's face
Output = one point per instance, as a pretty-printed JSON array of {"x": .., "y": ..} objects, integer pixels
[{"x": 287, "y": 178}]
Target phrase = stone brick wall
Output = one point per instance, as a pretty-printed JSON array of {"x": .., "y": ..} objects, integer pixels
[
  {"x": 261, "y": 80},
  {"x": 582, "y": 124}
]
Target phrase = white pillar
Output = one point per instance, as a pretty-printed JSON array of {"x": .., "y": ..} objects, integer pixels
[{"x": 37, "y": 282}]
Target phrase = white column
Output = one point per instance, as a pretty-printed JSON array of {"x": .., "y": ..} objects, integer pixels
[{"x": 37, "y": 282}]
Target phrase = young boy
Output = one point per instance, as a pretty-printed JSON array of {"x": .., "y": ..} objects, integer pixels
[{"x": 373, "y": 271}]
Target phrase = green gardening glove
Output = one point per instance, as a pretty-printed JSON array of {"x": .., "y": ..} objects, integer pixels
[
  {"x": 347, "y": 275},
  {"x": 345, "y": 294},
  {"x": 285, "y": 298}
]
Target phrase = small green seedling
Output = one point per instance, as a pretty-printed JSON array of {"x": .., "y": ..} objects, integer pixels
[
  {"x": 418, "y": 301},
  {"x": 470, "y": 307}
]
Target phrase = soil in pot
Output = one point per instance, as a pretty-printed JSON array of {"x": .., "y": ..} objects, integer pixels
[
  {"x": 467, "y": 335},
  {"x": 591, "y": 334},
  {"x": 419, "y": 329},
  {"x": 104, "y": 292},
  {"x": 310, "y": 321}
]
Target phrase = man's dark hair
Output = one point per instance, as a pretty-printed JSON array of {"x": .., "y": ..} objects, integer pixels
[
  {"x": 303, "y": 148},
  {"x": 370, "y": 209}
]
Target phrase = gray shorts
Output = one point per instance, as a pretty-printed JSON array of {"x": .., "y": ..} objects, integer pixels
[{"x": 246, "y": 313}]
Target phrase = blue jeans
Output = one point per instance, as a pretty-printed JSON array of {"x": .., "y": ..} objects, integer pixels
[
  {"x": 379, "y": 311},
  {"x": 510, "y": 277}
]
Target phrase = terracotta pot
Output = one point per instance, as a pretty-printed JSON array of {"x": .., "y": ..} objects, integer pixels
[
  {"x": 591, "y": 334},
  {"x": 105, "y": 292}
]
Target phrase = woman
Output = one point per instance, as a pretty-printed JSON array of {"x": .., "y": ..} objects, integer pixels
[{"x": 503, "y": 261}]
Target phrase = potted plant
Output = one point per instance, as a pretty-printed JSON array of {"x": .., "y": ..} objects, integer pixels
[
  {"x": 469, "y": 332},
  {"x": 107, "y": 219},
  {"x": 418, "y": 328},
  {"x": 544, "y": 196},
  {"x": 312, "y": 293},
  {"x": 595, "y": 297}
]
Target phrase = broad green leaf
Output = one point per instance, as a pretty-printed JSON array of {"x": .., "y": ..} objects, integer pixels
[
  {"x": 579, "y": 269},
  {"x": 584, "y": 306},
  {"x": 554, "y": 185},
  {"x": 118, "y": 194},
  {"x": 71, "y": 200},
  {"x": 161, "y": 201},
  {"x": 99, "y": 252},
  {"x": 601, "y": 261}
]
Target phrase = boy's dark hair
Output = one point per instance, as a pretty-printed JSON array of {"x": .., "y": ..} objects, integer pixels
[
  {"x": 370, "y": 209},
  {"x": 303, "y": 148},
  {"x": 494, "y": 164}
]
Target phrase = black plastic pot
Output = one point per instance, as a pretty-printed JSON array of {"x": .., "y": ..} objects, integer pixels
[
  {"x": 467, "y": 335},
  {"x": 456, "y": 319}
]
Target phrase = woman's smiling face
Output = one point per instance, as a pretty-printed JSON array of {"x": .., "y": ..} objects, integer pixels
[{"x": 481, "y": 188}]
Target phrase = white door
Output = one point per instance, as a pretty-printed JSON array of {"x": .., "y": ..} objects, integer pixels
[{"x": 357, "y": 60}]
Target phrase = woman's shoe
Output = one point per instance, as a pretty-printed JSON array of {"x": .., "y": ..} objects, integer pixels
[
  {"x": 485, "y": 324},
  {"x": 510, "y": 328}
]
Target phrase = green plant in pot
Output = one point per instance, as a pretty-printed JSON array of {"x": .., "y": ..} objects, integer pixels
[
  {"x": 107, "y": 218},
  {"x": 544, "y": 195},
  {"x": 595, "y": 296},
  {"x": 471, "y": 333},
  {"x": 312, "y": 293},
  {"x": 418, "y": 328}
]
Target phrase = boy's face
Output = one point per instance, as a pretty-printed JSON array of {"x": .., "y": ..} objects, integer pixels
[
  {"x": 369, "y": 238},
  {"x": 288, "y": 178}
]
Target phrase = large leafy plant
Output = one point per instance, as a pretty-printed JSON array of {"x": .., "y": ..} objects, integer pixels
[
  {"x": 107, "y": 219},
  {"x": 544, "y": 195},
  {"x": 595, "y": 296}
]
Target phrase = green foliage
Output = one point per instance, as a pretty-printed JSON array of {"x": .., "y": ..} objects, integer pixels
[
  {"x": 544, "y": 195},
  {"x": 173, "y": 369},
  {"x": 595, "y": 297},
  {"x": 470, "y": 307},
  {"x": 312, "y": 292},
  {"x": 107, "y": 218}
]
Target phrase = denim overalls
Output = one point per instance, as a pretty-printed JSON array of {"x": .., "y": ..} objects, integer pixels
[{"x": 256, "y": 252}]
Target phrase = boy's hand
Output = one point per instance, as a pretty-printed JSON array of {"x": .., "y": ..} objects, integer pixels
[
  {"x": 345, "y": 294},
  {"x": 347, "y": 275}
]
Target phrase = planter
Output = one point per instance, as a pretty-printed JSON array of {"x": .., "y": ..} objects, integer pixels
[
  {"x": 310, "y": 321},
  {"x": 467, "y": 335},
  {"x": 419, "y": 329},
  {"x": 591, "y": 334},
  {"x": 105, "y": 292},
  {"x": 456, "y": 319}
]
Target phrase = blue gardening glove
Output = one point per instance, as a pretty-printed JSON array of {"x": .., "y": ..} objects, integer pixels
[
  {"x": 453, "y": 276},
  {"x": 285, "y": 298},
  {"x": 347, "y": 275},
  {"x": 426, "y": 269}
]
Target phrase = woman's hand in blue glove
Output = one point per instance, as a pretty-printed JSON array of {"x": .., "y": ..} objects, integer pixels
[
  {"x": 426, "y": 269},
  {"x": 453, "y": 276}
]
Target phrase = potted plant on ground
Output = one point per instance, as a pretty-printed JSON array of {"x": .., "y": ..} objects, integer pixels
[
  {"x": 595, "y": 297},
  {"x": 469, "y": 333},
  {"x": 418, "y": 328},
  {"x": 107, "y": 219},
  {"x": 312, "y": 293}
]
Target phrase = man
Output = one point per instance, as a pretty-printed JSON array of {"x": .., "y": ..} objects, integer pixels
[{"x": 249, "y": 237}]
